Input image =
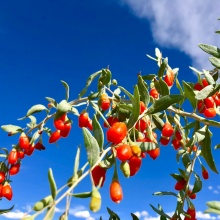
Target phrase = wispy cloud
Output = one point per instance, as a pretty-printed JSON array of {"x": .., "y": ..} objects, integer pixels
[
  {"x": 201, "y": 215},
  {"x": 181, "y": 25},
  {"x": 17, "y": 214}
]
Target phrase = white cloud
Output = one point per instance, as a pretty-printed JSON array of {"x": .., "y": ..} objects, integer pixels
[
  {"x": 201, "y": 215},
  {"x": 82, "y": 214},
  {"x": 182, "y": 24},
  {"x": 17, "y": 214},
  {"x": 210, "y": 187}
]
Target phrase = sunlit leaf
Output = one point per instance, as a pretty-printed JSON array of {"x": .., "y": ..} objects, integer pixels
[
  {"x": 165, "y": 193},
  {"x": 214, "y": 207},
  {"x": 126, "y": 92},
  {"x": 215, "y": 62},
  {"x": 2, "y": 211},
  {"x": 36, "y": 108},
  {"x": 38, "y": 206},
  {"x": 66, "y": 86},
  {"x": 89, "y": 81},
  {"x": 207, "y": 152},
  {"x": 212, "y": 50},
  {"x": 14, "y": 129},
  {"x": 162, "y": 67},
  {"x": 82, "y": 195},
  {"x": 98, "y": 132},
  {"x": 204, "y": 93},
  {"x": 53, "y": 186},
  {"x": 164, "y": 89},
  {"x": 92, "y": 147},
  {"x": 143, "y": 90},
  {"x": 189, "y": 94},
  {"x": 62, "y": 108},
  {"x": 160, "y": 212},
  {"x": 164, "y": 102},
  {"x": 134, "y": 217}
]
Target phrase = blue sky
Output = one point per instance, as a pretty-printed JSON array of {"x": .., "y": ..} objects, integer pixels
[{"x": 45, "y": 42}]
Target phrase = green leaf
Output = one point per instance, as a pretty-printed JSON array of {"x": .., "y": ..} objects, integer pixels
[
  {"x": 143, "y": 89},
  {"x": 189, "y": 94},
  {"x": 165, "y": 193},
  {"x": 2, "y": 211},
  {"x": 145, "y": 146},
  {"x": 67, "y": 89},
  {"x": 176, "y": 176},
  {"x": 13, "y": 129},
  {"x": 164, "y": 89},
  {"x": 113, "y": 215},
  {"x": 186, "y": 160},
  {"x": 92, "y": 147},
  {"x": 62, "y": 108},
  {"x": 215, "y": 62},
  {"x": 51, "y": 100},
  {"x": 204, "y": 93},
  {"x": 82, "y": 195},
  {"x": 207, "y": 152},
  {"x": 35, "y": 136},
  {"x": 136, "y": 108},
  {"x": 217, "y": 146},
  {"x": 53, "y": 186},
  {"x": 197, "y": 184},
  {"x": 38, "y": 206},
  {"x": 126, "y": 92},
  {"x": 214, "y": 207},
  {"x": 162, "y": 67},
  {"x": 212, "y": 50},
  {"x": 158, "y": 121},
  {"x": 160, "y": 212},
  {"x": 209, "y": 77},
  {"x": 134, "y": 217},
  {"x": 35, "y": 109},
  {"x": 89, "y": 81},
  {"x": 108, "y": 162},
  {"x": 106, "y": 76},
  {"x": 149, "y": 77},
  {"x": 164, "y": 102},
  {"x": 76, "y": 162},
  {"x": 98, "y": 132}
]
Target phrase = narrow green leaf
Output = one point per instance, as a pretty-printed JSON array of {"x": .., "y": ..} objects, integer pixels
[
  {"x": 11, "y": 128},
  {"x": 149, "y": 77},
  {"x": 164, "y": 89},
  {"x": 113, "y": 215},
  {"x": 189, "y": 94},
  {"x": 207, "y": 152},
  {"x": 106, "y": 76},
  {"x": 215, "y": 62},
  {"x": 165, "y": 193},
  {"x": 204, "y": 93},
  {"x": 217, "y": 146},
  {"x": 158, "y": 121},
  {"x": 66, "y": 86},
  {"x": 160, "y": 212},
  {"x": 134, "y": 217},
  {"x": 190, "y": 125},
  {"x": 92, "y": 147},
  {"x": 143, "y": 89},
  {"x": 213, "y": 204},
  {"x": 76, "y": 162},
  {"x": 162, "y": 67},
  {"x": 186, "y": 160},
  {"x": 214, "y": 211},
  {"x": 89, "y": 81},
  {"x": 2, "y": 211},
  {"x": 212, "y": 50},
  {"x": 136, "y": 108},
  {"x": 98, "y": 132},
  {"x": 197, "y": 184},
  {"x": 176, "y": 176},
  {"x": 108, "y": 162},
  {"x": 52, "y": 101},
  {"x": 35, "y": 109},
  {"x": 164, "y": 102},
  {"x": 126, "y": 92},
  {"x": 53, "y": 186},
  {"x": 82, "y": 195},
  {"x": 209, "y": 77}
]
